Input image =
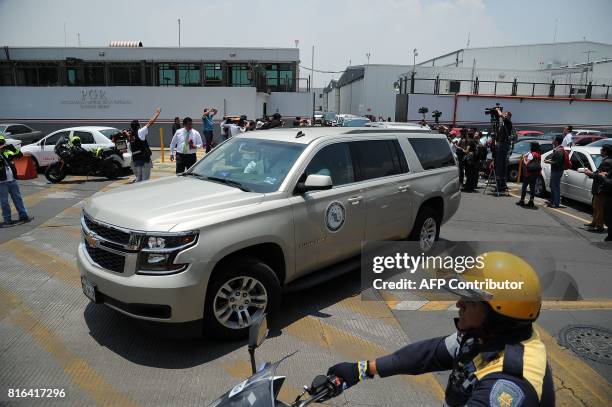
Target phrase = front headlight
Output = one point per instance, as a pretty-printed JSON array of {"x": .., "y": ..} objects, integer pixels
[{"x": 159, "y": 252}]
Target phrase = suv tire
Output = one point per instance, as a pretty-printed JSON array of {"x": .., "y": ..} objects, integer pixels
[
  {"x": 243, "y": 287},
  {"x": 540, "y": 187},
  {"x": 426, "y": 228}
]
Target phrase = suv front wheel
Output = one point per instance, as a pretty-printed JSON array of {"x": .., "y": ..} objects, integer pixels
[
  {"x": 238, "y": 295},
  {"x": 426, "y": 228}
]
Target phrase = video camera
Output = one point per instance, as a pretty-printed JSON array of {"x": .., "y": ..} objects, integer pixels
[
  {"x": 492, "y": 111},
  {"x": 423, "y": 110},
  {"x": 436, "y": 115}
]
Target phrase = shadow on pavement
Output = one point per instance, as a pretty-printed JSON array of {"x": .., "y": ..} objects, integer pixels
[
  {"x": 83, "y": 181},
  {"x": 178, "y": 346}
]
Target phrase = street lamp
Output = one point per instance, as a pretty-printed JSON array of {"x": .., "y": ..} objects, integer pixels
[
  {"x": 297, "y": 42},
  {"x": 368, "y": 57},
  {"x": 414, "y": 55}
]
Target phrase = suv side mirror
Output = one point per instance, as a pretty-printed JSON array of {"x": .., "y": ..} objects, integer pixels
[{"x": 315, "y": 182}]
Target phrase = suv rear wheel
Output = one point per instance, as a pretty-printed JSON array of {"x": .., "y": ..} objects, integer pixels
[
  {"x": 426, "y": 228},
  {"x": 240, "y": 293}
]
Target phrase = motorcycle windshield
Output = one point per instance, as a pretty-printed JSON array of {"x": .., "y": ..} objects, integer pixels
[{"x": 256, "y": 391}]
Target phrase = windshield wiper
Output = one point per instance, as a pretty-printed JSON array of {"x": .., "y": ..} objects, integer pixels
[
  {"x": 229, "y": 182},
  {"x": 192, "y": 174}
]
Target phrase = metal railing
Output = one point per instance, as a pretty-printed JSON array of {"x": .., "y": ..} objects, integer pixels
[{"x": 439, "y": 86}]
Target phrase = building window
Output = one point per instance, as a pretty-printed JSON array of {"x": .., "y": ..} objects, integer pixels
[
  {"x": 285, "y": 73},
  {"x": 125, "y": 75},
  {"x": 166, "y": 75},
  {"x": 240, "y": 75},
  {"x": 93, "y": 75},
  {"x": 213, "y": 75},
  {"x": 454, "y": 87},
  {"x": 6, "y": 75},
  {"x": 27, "y": 76},
  {"x": 48, "y": 76},
  {"x": 189, "y": 75},
  {"x": 72, "y": 77}
]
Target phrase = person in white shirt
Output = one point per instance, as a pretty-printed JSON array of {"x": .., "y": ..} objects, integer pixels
[
  {"x": 141, "y": 152},
  {"x": 186, "y": 141},
  {"x": 568, "y": 136},
  {"x": 234, "y": 128}
]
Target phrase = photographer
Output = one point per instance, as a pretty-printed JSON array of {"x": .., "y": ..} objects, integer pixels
[
  {"x": 461, "y": 150},
  {"x": 502, "y": 145}
]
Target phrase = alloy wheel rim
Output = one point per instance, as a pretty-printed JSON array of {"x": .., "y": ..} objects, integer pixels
[
  {"x": 239, "y": 302},
  {"x": 428, "y": 234}
]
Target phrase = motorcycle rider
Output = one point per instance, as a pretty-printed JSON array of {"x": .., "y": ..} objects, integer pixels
[
  {"x": 8, "y": 183},
  {"x": 495, "y": 356}
]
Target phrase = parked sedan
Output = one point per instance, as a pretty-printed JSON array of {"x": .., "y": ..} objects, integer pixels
[
  {"x": 91, "y": 137},
  {"x": 26, "y": 135},
  {"x": 574, "y": 183},
  {"x": 586, "y": 140},
  {"x": 600, "y": 142}
]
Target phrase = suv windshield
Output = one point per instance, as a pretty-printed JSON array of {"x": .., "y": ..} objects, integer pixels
[
  {"x": 259, "y": 165},
  {"x": 108, "y": 133}
]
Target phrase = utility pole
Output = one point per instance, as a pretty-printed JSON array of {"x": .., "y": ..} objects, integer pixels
[
  {"x": 179, "y": 29},
  {"x": 555, "y": 35},
  {"x": 65, "y": 38},
  {"x": 368, "y": 57},
  {"x": 312, "y": 69},
  {"x": 588, "y": 53},
  {"x": 79, "y": 39},
  {"x": 414, "y": 55}
]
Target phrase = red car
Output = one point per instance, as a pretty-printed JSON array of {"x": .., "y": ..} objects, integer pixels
[
  {"x": 529, "y": 133},
  {"x": 584, "y": 140}
]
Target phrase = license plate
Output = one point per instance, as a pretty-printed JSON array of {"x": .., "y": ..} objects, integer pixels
[{"x": 89, "y": 289}]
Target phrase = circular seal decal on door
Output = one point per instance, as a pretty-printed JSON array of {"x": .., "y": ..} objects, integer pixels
[{"x": 335, "y": 216}]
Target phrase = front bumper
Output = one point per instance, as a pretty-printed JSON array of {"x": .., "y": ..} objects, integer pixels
[{"x": 173, "y": 298}]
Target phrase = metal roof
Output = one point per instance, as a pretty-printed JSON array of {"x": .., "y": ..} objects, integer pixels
[{"x": 351, "y": 74}]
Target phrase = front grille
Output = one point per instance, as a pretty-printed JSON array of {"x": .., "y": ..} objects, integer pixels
[
  {"x": 107, "y": 260},
  {"x": 107, "y": 232}
]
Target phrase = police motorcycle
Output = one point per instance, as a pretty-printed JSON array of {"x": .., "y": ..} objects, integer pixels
[
  {"x": 75, "y": 160},
  {"x": 263, "y": 387}
]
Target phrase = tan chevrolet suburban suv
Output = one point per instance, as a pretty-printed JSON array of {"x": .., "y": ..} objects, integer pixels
[{"x": 264, "y": 213}]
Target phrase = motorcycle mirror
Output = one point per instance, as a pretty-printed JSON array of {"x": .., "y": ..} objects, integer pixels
[{"x": 258, "y": 332}]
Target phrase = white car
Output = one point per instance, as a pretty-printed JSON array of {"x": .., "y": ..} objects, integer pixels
[
  {"x": 574, "y": 184},
  {"x": 13, "y": 142},
  {"x": 91, "y": 137}
]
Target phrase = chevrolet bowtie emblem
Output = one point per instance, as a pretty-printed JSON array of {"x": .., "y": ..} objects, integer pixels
[{"x": 91, "y": 240}]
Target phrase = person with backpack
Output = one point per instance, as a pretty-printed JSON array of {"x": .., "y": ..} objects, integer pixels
[
  {"x": 533, "y": 170},
  {"x": 557, "y": 161}
]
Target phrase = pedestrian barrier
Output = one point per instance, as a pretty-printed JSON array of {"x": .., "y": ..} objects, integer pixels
[{"x": 26, "y": 169}]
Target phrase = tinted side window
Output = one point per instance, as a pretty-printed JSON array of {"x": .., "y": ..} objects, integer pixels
[
  {"x": 432, "y": 152},
  {"x": 13, "y": 130},
  {"x": 579, "y": 160},
  {"x": 376, "y": 159},
  {"x": 333, "y": 160},
  {"x": 23, "y": 129},
  {"x": 52, "y": 140},
  {"x": 85, "y": 136}
]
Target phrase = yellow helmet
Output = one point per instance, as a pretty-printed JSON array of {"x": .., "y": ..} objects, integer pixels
[{"x": 500, "y": 272}]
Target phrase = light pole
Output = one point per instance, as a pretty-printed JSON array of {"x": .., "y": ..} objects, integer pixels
[
  {"x": 368, "y": 57},
  {"x": 179, "y": 31},
  {"x": 297, "y": 42},
  {"x": 414, "y": 55}
]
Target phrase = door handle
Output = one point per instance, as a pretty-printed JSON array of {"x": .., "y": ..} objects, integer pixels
[
  {"x": 354, "y": 200},
  {"x": 403, "y": 188}
]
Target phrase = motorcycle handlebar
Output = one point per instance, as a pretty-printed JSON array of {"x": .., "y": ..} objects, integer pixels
[{"x": 322, "y": 388}]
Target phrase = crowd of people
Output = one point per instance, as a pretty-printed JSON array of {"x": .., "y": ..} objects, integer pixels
[{"x": 472, "y": 151}]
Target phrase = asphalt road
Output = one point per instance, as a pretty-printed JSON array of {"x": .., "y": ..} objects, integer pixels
[{"x": 52, "y": 337}]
